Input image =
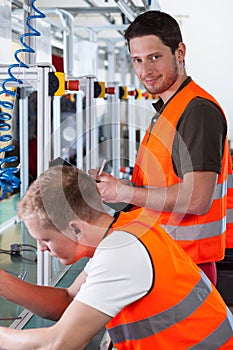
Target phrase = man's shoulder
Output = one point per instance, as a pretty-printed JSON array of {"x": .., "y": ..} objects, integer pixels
[
  {"x": 203, "y": 102},
  {"x": 200, "y": 109}
]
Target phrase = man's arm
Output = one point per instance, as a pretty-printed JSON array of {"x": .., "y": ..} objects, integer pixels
[
  {"x": 192, "y": 196},
  {"x": 47, "y": 302},
  {"x": 81, "y": 322},
  {"x": 78, "y": 325}
]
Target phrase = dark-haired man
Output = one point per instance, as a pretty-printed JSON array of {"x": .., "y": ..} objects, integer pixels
[{"x": 183, "y": 162}]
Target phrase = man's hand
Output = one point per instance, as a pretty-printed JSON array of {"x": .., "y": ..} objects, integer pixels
[
  {"x": 77, "y": 326},
  {"x": 112, "y": 190}
]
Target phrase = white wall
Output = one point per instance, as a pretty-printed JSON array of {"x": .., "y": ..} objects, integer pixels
[
  {"x": 5, "y": 32},
  {"x": 208, "y": 34}
]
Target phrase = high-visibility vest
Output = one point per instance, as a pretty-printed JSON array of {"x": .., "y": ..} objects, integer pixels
[
  {"x": 182, "y": 310},
  {"x": 203, "y": 237}
]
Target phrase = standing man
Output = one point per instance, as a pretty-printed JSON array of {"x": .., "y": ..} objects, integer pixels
[
  {"x": 182, "y": 164},
  {"x": 138, "y": 283}
]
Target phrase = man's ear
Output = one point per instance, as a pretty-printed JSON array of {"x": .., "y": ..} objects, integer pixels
[
  {"x": 75, "y": 226},
  {"x": 180, "y": 52}
]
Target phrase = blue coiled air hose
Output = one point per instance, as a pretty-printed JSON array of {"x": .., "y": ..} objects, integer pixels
[{"x": 8, "y": 180}]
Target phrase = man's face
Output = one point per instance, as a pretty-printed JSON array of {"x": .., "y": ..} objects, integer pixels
[
  {"x": 58, "y": 244},
  {"x": 154, "y": 63}
]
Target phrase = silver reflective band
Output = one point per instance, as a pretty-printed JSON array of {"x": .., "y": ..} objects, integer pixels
[
  {"x": 160, "y": 322},
  {"x": 229, "y": 216},
  {"x": 220, "y": 336},
  {"x": 196, "y": 232},
  {"x": 230, "y": 181},
  {"x": 220, "y": 190},
  {"x": 230, "y": 211}
]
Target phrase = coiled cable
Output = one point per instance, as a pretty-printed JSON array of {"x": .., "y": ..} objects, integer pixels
[{"x": 8, "y": 180}]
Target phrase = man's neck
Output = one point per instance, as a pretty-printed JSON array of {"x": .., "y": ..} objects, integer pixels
[{"x": 166, "y": 95}]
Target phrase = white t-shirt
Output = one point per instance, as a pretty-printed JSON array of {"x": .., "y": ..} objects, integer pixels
[{"x": 119, "y": 273}]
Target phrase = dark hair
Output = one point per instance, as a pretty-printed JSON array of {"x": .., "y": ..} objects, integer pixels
[{"x": 155, "y": 23}]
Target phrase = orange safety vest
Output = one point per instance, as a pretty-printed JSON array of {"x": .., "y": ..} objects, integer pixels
[
  {"x": 203, "y": 237},
  {"x": 182, "y": 309}
]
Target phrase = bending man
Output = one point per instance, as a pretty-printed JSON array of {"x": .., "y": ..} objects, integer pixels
[{"x": 138, "y": 283}]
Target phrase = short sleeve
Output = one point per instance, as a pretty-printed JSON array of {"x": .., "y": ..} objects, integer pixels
[
  {"x": 200, "y": 138},
  {"x": 119, "y": 273}
]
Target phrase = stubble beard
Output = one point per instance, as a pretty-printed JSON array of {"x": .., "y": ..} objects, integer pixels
[{"x": 170, "y": 79}]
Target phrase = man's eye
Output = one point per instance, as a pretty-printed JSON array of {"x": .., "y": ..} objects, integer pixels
[
  {"x": 135, "y": 60},
  {"x": 154, "y": 58}
]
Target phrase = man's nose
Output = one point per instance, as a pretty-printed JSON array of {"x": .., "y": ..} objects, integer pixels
[
  {"x": 146, "y": 69},
  {"x": 42, "y": 246}
]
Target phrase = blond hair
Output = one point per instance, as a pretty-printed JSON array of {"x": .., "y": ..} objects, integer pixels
[{"x": 59, "y": 195}]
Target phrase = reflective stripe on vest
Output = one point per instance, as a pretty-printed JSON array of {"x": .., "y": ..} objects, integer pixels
[
  {"x": 192, "y": 233},
  {"x": 229, "y": 216},
  {"x": 229, "y": 231},
  {"x": 220, "y": 190},
  {"x": 218, "y": 337},
  {"x": 230, "y": 181},
  {"x": 162, "y": 321}
]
